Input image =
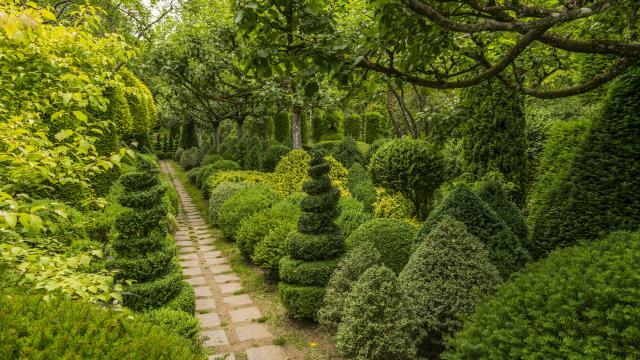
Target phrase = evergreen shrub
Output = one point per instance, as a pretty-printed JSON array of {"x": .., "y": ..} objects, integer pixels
[
  {"x": 241, "y": 205},
  {"x": 492, "y": 192}
]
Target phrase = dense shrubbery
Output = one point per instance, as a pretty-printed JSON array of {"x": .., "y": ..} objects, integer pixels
[
  {"x": 347, "y": 153},
  {"x": 446, "y": 278},
  {"x": 177, "y": 322},
  {"x": 393, "y": 238},
  {"x": 291, "y": 172},
  {"x": 361, "y": 186},
  {"x": 315, "y": 245},
  {"x": 352, "y": 126},
  {"x": 241, "y": 205},
  {"x": 392, "y": 205},
  {"x": 63, "y": 329},
  {"x": 349, "y": 270},
  {"x": 220, "y": 194},
  {"x": 377, "y": 322},
  {"x": 373, "y": 126},
  {"x": 207, "y": 170},
  {"x": 233, "y": 176},
  {"x": 492, "y": 192},
  {"x": 273, "y": 156},
  {"x": 580, "y": 302},
  {"x": 189, "y": 159},
  {"x": 601, "y": 192},
  {"x": 506, "y": 251},
  {"x": 414, "y": 168},
  {"x": 282, "y": 127}
]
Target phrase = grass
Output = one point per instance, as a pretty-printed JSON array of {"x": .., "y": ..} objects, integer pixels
[{"x": 300, "y": 340}]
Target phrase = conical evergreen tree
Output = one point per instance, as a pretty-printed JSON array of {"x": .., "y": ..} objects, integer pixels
[
  {"x": 314, "y": 249},
  {"x": 492, "y": 192}
]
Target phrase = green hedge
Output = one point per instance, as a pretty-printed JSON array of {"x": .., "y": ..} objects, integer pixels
[
  {"x": 306, "y": 272},
  {"x": 582, "y": 302},
  {"x": 300, "y": 301},
  {"x": 185, "y": 300},
  {"x": 64, "y": 329},
  {"x": 177, "y": 322},
  {"x": 492, "y": 192},
  {"x": 241, "y": 205}
]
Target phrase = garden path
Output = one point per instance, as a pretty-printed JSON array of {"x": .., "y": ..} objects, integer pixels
[{"x": 228, "y": 318}]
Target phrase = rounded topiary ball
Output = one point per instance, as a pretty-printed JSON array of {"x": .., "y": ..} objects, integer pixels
[
  {"x": 244, "y": 203},
  {"x": 393, "y": 238}
]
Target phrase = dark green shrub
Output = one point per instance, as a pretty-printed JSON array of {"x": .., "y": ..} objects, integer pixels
[
  {"x": 318, "y": 128},
  {"x": 373, "y": 148},
  {"x": 349, "y": 270},
  {"x": 220, "y": 194},
  {"x": 376, "y": 324},
  {"x": 492, "y": 192},
  {"x": 580, "y": 302},
  {"x": 176, "y": 322},
  {"x": 352, "y": 126},
  {"x": 230, "y": 149},
  {"x": 241, "y": 205},
  {"x": 208, "y": 170},
  {"x": 273, "y": 156},
  {"x": 563, "y": 140},
  {"x": 361, "y": 186},
  {"x": 393, "y": 238},
  {"x": 506, "y": 251},
  {"x": 188, "y": 136},
  {"x": 334, "y": 136},
  {"x": 446, "y": 278},
  {"x": 141, "y": 250},
  {"x": 273, "y": 247},
  {"x": 601, "y": 192},
  {"x": 252, "y": 152},
  {"x": 346, "y": 152},
  {"x": 313, "y": 273},
  {"x": 178, "y": 154},
  {"x": 414, "y": 168},
  {"x": 193, "y": 174},
  {"x": 64, "y": 329},
  {"x": 350, "y": 220},
  {"x": 493, "y": 131},
  {"x": 318, "y": 240},
  {"x": 373, "y": 126},
  {"x": 282, "y": 127},
  {"x": 211, "y": 159},
  {"x": 333, "y": 125},
  {"x": 185, "y": 300},
  {"x": 189, "y": 159}
]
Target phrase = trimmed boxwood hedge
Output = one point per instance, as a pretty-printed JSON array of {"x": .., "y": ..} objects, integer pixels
[
  {"x": 306, "y": 272},
  {"x": 244, "y": 203},
  {"x": 301, "y": 301},
  {"x": 64, "y": 329},
  {"x": 581, "y": 302}
]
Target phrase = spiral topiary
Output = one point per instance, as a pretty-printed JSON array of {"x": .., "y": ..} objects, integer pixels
[
  {"x": 142, "y": 251},
  {"x": 314, "y": 248}
]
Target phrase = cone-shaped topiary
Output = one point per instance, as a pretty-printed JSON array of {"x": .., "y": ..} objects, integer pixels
[
  {"x": 448, "y": 275},
  {"x": 493, "y": 194},
  {"x": 282, "y": 127},
  {"x": 314, "y": 248},
  {"x": 601, "y": 192},
  {"x": 352, "y": 125},
  {"x": 349, "y": 270},
  {"x": 142, "y": 251},
  {"x": 377, "y": 323},
  {"x": 506, "y": 251},
  {"x": 373, "y": 126}
]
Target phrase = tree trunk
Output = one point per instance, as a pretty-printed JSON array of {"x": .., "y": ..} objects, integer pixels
[
  {"x": 296, "y": 127},
  {"x": 392, "y": 115}
]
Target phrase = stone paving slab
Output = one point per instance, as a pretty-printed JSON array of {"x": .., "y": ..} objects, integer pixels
[
  {"x": 226, "y": 356},
  {"x": 215, "y": 338},
  {"x": 210, "y": 319},
  {"x": 269, "y": 352},
  {"x": 226, "y": 278},
  {"x": 216, "y": 261},
  {"x": 246, "y": 314},
  {"x": 219, "y": 269},
  {"x": 211, "y": 254},
  {"x": 238, "y": 300},
  {"x": 192, "y": 272},
  {"x": 187, "y": 250},
  {"x": 252, "y": 332},
  {"x": 230, "y": 288},
  {"x": 203, "y": 292},
  {"x": 205, "y": 304},
  {"x": 197, "y": 281},
  {"x": 190, "y": 264},
  {"x": 188, "y": 256}
]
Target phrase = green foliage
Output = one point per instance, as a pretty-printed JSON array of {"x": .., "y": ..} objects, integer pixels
[
  {"x": 176, "y": 322},
  {"x": 291, "y": 172},
  {"x": 273, "y": 247},
  {"x": 273, "y": 156},
  {"x": 311, "y": 273},
  {"x": 373, "y": 126},
  {"x": 493, "y": 133},
  {"x": 211, "y": 159},
  {"x": 580, "y": 302},
  {"x": 178, "y": 154},
  {"x": 119, "y": 112},
  {"x": 352, "y": 126},
  {"x": 319, "y": 240},
  {"x": 350, "y": 220},
  {"x": 252, "y": 152},
  {"x": 318, "y": 127},
  {"x": 208, "y": 170},
  {"x": 347, "y": 153},
  {"x": 241, "y": 205},
  {"x": 506, "y": 251},
  {"x": 185, "y": 300},
  {"x": 138, "y": 103},
  {"x": 219, "y": 177},
  {"x": 65, "y": 329},
  {"x": 220, "y": 194},
  {"x": 446, "y": 278},
  {"x": 376, "y": 321},
  {"x": 332, "y": 123},
  {"x": 361, "y": 186},
  {"x": 601, "y": 192},
  {"x": 190, "y": 158},
  {"x": 414, "y": 168},
  {"x": 188, "y": 135},
  {"x": 392, "y": 205},
  {"x": 493, "y": 193},
  {"x": 392, "y": 238},
  {"x": 282, "y": 127},
  {"x": 349, "y": 270}
]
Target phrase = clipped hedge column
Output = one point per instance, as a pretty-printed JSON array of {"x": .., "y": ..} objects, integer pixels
[
  {"x": 282, "y": 127},
  {"x": 373, "y": 126},
  {"x": 315, "y": 248},
  {"x": 142, "y": 250},
  {"x": 352, "y": 125}
]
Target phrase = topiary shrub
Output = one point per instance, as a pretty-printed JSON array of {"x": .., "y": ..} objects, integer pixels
[
  {"x": 141, "y": 252},
  {"x": 220, "y": 194},
  {"x": 601, "y": 192},
  {"x": 492, "y": 192},
  {"x": 211, "y": 159},
  {"x": 189, "y": 159},
  {"x": 185, "y": 300},
  {"x": 252, "y": 148},
  {"x": 493, "y": 131},
  {"x": 188, "y": 135},
  {"x": 178, "y": 154},
  {"x": 176, "y": 322},
  {"x": 361, "y": 187},
  {"x": 564, "y": 138},
  {"x": 446, "y": 278},
  {"x": 291, "y": 172},
  {"x": 282, "y": 127},
  {"x": 506, "y": 251},
  {"x": 241, "y": 205},
  {"x": 218, "y": 177},
  {"x": 273, "y": 247},
  {"x": 208, "y": 170},
  {"x": 373, "y": 126},
  {"x": 273, "y": 156},
  {"x": 350, "y": 220},
  {"x": 349, "y": 270},
  {"x": 352, "y": 125},
  {"x": 332, "y": 123},
  {"x": 414, "y": 168},
  {"x": 318, "y": 128},
  {"x": 377, "y": 324},
  {"x": 193, "y": 174},
  {"x": 580, "y": 302},
  {"x": 393, "y": 238},
  {"x": 392, "y": 205},
  {"x": 347, "y": 153},
  {"x": 316, "y": 244},
  {"x": 65, "y": 329}
]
